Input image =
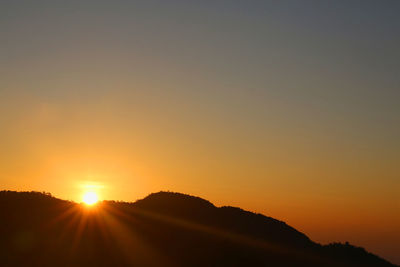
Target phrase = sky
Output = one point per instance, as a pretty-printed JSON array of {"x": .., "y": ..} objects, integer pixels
[{"x": 287, "y": 108}]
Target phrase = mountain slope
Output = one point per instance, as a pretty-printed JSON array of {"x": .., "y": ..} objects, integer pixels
[{"x": 163, "y": 229}]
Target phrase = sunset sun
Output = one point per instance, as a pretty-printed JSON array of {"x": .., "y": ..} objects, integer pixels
[{"x": 90, "y": 198}]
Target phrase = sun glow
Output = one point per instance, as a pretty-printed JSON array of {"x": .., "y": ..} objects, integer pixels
[{"x": 90, "y": 198}]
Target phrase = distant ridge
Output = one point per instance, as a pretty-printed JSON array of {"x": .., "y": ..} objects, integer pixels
[{"x": 163, "y": 229}]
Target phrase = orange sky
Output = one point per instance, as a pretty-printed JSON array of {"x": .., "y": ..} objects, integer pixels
[{"x": 288, "y": 110}]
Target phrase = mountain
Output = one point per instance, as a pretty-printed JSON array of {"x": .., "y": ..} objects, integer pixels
[{"x": 163, "y": 229}]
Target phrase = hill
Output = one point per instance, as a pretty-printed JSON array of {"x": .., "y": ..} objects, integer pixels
[{"x": 163, "y": 229}]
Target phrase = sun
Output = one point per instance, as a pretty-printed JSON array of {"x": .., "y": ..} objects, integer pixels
[{"x": 90, "y": 198}]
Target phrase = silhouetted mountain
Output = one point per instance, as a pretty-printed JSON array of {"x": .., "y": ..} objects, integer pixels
[{"x": 163, "y": 229}]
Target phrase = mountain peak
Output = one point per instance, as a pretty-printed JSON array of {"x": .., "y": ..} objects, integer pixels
[
  {"x": 173, "y": 200},
  {"x": 186, "y": 230}
]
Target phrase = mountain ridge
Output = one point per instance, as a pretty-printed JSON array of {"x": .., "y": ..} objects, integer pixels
[{"x": 186, "y": 230}]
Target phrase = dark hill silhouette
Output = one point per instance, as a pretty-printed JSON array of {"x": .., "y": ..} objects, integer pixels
[{"x": 163, "y": 229}]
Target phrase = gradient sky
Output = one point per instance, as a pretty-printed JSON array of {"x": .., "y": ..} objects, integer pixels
[{"x": 288, "y": 108}]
